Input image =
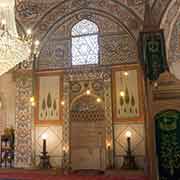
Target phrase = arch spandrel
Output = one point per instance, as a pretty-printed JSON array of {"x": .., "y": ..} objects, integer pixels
[
  {"x": 121, "y": 12},
  {"x": 158, "y": 9},
  {"x": 56, "y": 47},
  {"x": 31, "y": 12}
]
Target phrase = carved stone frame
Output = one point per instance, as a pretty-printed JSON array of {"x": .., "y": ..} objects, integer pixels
[{"x": 87, "y": 75}]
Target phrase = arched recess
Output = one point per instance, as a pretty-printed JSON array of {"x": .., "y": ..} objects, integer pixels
[
  {"x": 87, "y": 133},
  {"x": 59, "y": 12},
  {"x": 168, "y": 144},
  {"x": 108, "y": 40},
  {"x": 86, "y": 11}
]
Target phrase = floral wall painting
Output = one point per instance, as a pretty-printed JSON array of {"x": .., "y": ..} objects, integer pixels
[
  {"x": 126, "y": 85},
  {"x": 49, "y": 97}
]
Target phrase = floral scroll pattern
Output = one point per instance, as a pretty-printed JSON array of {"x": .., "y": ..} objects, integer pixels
[{"x": 23, "y": 133}]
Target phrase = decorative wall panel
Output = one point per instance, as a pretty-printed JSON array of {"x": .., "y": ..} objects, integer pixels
[
  {"x": 117, "y": 49},
  {"x": 49, "y": 91},
  {"x": 31, "y": 11},
  {"x": 54, "y": 144},
  {"x": 67, "y": 8},
  {"x": 55, "y": 54},
  {"x": 66, "y": 125},
  {"x": 137, "y": 6},
  {"x": 23, "y": 126},
  {"x": 137, "y": 143},
  {"x": 127, "y": 90},
  {"x": 49, "y": 95},
  {"x": 108, "y": 116}
]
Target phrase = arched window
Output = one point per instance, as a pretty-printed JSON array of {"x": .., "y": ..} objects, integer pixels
[{"x": 85, "y": 47}]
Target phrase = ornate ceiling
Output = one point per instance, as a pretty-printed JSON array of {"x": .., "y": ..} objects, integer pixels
[{"x": 42, "y": 15}]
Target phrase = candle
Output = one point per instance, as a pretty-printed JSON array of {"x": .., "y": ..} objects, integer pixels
[
  {"x": 108, "y": 146},
  {"x": 44, "y": 137},
  {"x": 109, "y": 154},
  {"x": 128, "y": 135},
  {"x": 44, "y": 146},
  {"x": 63, "y": 152},
  {"x": 129, "y": 145}
]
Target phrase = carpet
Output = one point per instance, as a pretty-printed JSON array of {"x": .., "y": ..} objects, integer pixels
[
  {"x": 33, "y": 175},
  {"x": 8, "y": 179},
  {"x": 88, "y": 172}
]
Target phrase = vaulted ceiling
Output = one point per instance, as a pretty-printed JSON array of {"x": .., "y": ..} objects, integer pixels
[{"x": 42, "y": 15}]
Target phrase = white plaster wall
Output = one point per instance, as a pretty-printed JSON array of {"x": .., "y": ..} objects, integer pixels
[
  {"x": 8, "y": 91},
  {"x": 137, "y": 142},
  {"x": 54, "y": 144}
]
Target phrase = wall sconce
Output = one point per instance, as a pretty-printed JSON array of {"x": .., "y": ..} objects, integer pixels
[
  {"x": 65, "y": 148},
  {"x": 32, "y": 101},
  {"x": 36, "y": 43},
  {"x": 98, "y": 100},
  {"x": 88, "y": 92},
  {"x": 122, "y": 93},
  {"x": 155, "y": 84},
  {"x": 126, "y": 73},
  {"x": 33, "y": 104},
  {"x": 62, "y": 103}
]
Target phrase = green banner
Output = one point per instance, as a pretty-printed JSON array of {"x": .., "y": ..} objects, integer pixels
[
  {"x": 153, "y": 56},
  {"x": 168, "y": 144}
]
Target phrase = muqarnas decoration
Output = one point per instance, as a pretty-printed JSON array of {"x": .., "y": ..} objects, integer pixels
[{"x": 49, "y": 98}]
